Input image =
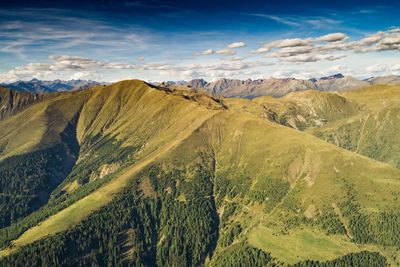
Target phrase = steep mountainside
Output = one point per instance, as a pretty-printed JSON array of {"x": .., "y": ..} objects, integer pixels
[
  {"x": 392, "y": 79},
  {"x": 38, "y": 86},
  {"x": 134, "y": 174},
  {"x": 374, "y": 131},
  {"x": 280, "y": 87},
  {"x": 339, "y": 83},
  {"x": 11, "y": 101}
]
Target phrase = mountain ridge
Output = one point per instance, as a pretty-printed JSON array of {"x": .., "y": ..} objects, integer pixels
[
  {"x": 205, "y": 175},
  {"x": 42, "y": 86},
  {"x": 278, "y": 87}
]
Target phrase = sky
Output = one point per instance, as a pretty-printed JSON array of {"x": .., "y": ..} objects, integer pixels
[{"x": 182, "y": 40}]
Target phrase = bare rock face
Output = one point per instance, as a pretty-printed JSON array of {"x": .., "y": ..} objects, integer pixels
[
  {"x": 12, "y": 101},
  {"x": 221, "y": 85},
  {"x": 339, "y": 82},
  {"x": 278, "y": 87},
  {"x": 391, "y": 79},
  {"x": 197, "y": 83},
  {"x": 39, "y": 86}
]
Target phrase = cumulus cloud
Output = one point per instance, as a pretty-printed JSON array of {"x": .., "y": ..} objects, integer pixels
[
  {"x": 283, "y": 44},
  {"x": 204, "y": 53},
  {"x": 81, "y": 75},
  {"x": 383, "y": 68},
  {"x": 376, "y": 68},
  {"x": 326, "y": 47},
  {"x": 312, "y": 58},
  {"x": 371, "y": 39},
  {"x": 291, "y": 51},
  {"x": 238, "y": 66},
  {"x": 312, "y": 72},
  {"x": 334, "y": 70},
  {"x": 232, "y": 58},
  {"x": 289, "y": 43},
  {"x": 261, "y": 50},
  {"x": 60, "y": 65},
  {"x": 236, "y": 45},
  {"x": 393, "y": 39},
  {"x": 395, "y": 67},
  {"x": 332, "y": 37},
  {"x": 226, "y": 52}
]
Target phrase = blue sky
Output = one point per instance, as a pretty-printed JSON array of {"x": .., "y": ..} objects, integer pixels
[{"x": 174, "y": 40}]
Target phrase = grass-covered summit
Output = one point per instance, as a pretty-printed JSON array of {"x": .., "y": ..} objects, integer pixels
[{"x": 134, "y": 174}]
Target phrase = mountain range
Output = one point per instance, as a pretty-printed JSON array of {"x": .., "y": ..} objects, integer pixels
[
  {"x": 134, "y": 174},
  {"x": 275, "y": 87},
  {"x": 39, "y": 86},
  {"x": 279, "y": 87}
]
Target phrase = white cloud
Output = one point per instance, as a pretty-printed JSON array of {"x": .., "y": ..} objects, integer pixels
[
  {"x": 208, "y": 52},
  {"x": 376, "y": 68},
  {"x": 383, "y": 69},
  {"x": 393, "y": 39},
  {"x": 81, "y": 75},
  {"x": 312, "y": 58},
  {"x": 236, "y": 45},
  {"x": 62, "y": 65},
  {"x": 289, "y": 43},
  {"x": 371, "y": 39},
  {"x": 324, "y": 47},
  {"x": 204, "y": 53},
  {"x": 334, "y": 70},
  {"x": 226, "y": 52},
  {"x": 261, "y": 50},
  {"x": 332, "y": 37},
  {"x": 395, "y": 67},
  {"x": 291, "y": 51},
  {"x": 232, "y": 58}
]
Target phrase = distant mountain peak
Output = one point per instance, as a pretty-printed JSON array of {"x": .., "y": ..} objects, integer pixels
[
  {"x": 39, "y": 86},
  {"x": 334, "y": 76},
  {"x": 278, "y": 87}
]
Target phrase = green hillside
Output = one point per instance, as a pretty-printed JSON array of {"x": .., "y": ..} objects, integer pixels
[
  {"x": 136, "y": 175},
  {"x": 374, "y": 131}
]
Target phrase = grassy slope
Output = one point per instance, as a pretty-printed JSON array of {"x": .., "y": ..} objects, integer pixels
[
  {"x": 38, "y": 126},
  {"x": 145, "y": 115},
  {"x": 316, "y": 170},
  {"x": 243, "y": 143},
  {"x": 375, "y": 130}
]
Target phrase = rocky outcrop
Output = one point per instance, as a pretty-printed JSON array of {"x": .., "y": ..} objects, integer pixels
[
  {"x": 12, "y": 101},
  {"x": 391, "y": 79},
  {"x": 39, "y": 86},
  {"x": 278, "y": 87}
]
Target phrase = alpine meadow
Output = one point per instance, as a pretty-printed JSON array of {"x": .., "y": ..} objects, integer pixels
[{"x": 180, "y": 133}]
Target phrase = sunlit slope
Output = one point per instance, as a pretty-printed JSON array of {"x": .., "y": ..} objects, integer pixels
[
  {"x": 39, "y": 125},
  {"x": 38, "y": 148},
  {"x": 375, "y": 130},
  {"x": 365, "y": 121},
  {"x": 283, "y": 180},
  {"x": 128, "y": 124},
  {"x": 212, "y": 179}
]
